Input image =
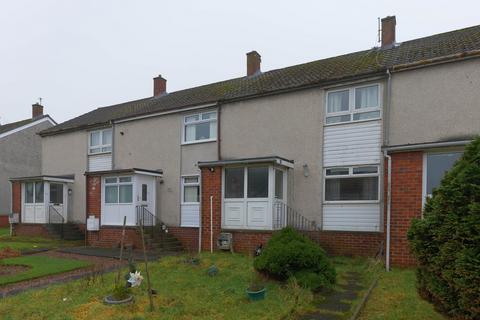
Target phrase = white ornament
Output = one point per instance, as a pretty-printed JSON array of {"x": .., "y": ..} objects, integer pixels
[{"x": 135, "y": 279}]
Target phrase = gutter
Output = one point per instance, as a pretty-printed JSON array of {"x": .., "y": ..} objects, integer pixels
[
  {"x": 421, "y": 146},
  {"x": 439, "y": 60}
]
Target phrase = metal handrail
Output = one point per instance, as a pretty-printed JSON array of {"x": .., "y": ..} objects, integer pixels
[
  {"x": 55, "y": 217},
  {"x": 145, "y": 218},
  {"x": 284, "y": 216}
]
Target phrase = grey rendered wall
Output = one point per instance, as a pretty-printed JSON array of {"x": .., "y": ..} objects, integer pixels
[
  {"x": 67, "y": 154},
  {"x": 287, "y": 125},
  {"x": 433, "y": 104},
  {"x": 20, "y": 155},
  {"x": 155, "y": 143}
]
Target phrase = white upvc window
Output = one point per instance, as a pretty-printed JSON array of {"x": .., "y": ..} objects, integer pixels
[
  {"x": 355, "y": 184},
  {"x": 118, "y": 190},
  {"x": 435, "y": 166},
  {"x": 353, "y": 104},
  {"x": 100, "y": 141},
  {"x": 200, "y": 127},
  {"x": 190, "y": 189}
]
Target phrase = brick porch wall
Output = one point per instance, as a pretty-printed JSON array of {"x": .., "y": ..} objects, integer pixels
[
  {"x": 407, "y": 175},
  {"x": 187, "y": 236},
  {"x": 17, "y": 198},
  {"x": 32, "y": 230},
  {"x": 211, "y": 186}
]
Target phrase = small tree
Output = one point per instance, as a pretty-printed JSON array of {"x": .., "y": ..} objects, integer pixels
[{"x": 446, "y": 242}]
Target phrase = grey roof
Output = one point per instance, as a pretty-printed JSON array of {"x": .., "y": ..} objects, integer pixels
[
  {"x": 14, "y": 125},
  {"x": 349, "y": 66}
]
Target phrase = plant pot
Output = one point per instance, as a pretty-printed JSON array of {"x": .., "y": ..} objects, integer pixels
[
  {"x": 110, "y": 300},
  {"x": 256, "y": 295}
]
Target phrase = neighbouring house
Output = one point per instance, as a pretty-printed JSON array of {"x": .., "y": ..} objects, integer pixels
[
  {"x": 20, "y": 153},
  {"x": 308, "y": 145}
]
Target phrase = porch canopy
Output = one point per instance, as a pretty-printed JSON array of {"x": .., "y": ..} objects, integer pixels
[
  {"x": 44, "y": 198},
  {"x": 254, "y": 192},
  {"x": 129, "y": 193}
]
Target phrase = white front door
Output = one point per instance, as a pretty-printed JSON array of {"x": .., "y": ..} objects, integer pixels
[
  {"x": 57, "y": 199},
  {"x": 34, "y": 202}
]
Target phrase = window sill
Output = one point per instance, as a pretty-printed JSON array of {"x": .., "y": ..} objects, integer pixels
[
  {"x": 198, "y": 141},
  {"x": 350, "y": 122},
  {"x": 99, "y": 153}
]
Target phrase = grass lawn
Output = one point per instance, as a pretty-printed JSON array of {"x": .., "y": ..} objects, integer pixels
[
  {"x": 185, "y": 291},
  {"x": 29, "y": 243},
  {"x": 396, "y": 298},
  {"x": 39, "y": 266}
]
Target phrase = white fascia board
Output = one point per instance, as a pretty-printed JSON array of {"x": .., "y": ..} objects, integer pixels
[
  {"x": 31, "y": 124},
  {"x": 147, "y": 173}
]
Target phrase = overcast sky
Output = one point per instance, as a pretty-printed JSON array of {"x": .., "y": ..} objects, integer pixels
[{"x": 80, "y": 55}]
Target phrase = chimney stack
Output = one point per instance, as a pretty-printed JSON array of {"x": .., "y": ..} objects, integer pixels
[
  {"x": 37, "y": 110},
  {"x": 159, "y": 86},
  {"x": 388, "y": 32},
  {"x": 253, "y": 63}
]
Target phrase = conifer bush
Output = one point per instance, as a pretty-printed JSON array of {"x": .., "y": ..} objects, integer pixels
[
  {"x": 446, "y": 242},
  {"x": 290, "y": 254}
]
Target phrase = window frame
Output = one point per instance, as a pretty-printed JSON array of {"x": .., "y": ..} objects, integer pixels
[
  {"x": 101, "y": 145},
  {"x": 352, "y": 175},
  {"x": 425, "y": 170},
  {"x": 199, "y": 121},
  {"x": 117, "y": 183},
  {"x": 190, "y": 184},
  {"x": 351, "y": 105}
]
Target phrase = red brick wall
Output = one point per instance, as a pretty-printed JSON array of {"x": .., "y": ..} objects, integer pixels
[
  {"x": 247, "y": 241},
  {"x": 17, "y": 198},
  {"x": 211, "y": 186},
  {"x": 407, "y": 168},
  {"x": 31, "y": 230},
  {"x": 4, "y": 221},
  {"x": 366, "y": 244},
  {"x": 94, "y": 196},
  {"x": 110, "y": 237},
  {"x": 187, "y": 236}
]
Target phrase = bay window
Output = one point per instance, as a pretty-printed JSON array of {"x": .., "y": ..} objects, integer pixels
[
  {"x": 353, "y": 104},
  {"x": 352, "y": 184},
  {"x": 100, "y": 141},
  {"x": 200, "y": 127}
]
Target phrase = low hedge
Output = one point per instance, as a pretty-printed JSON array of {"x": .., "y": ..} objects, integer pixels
[
  {"x": 446, "y": 242},
  {"x": 290, "y": 254}
]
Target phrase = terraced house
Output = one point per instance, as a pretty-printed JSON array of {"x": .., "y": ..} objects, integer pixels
[{"x": 346, "y": 148}]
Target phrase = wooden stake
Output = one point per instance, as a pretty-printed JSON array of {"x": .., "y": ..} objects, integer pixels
[
  {"x": 149, "y": 287},
  {"x": 121, "y": 247}
]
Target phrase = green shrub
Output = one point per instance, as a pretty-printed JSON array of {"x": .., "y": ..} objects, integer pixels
[
  {"x": 446, "y": 242},
  {"x": 290, "y": 254}
]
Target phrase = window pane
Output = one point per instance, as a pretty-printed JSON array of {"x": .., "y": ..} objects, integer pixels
[
  {"x": 111, "y": 194},
  {"x": 29, "y": 192},
  {"x": 95, "y": 150},
  {"x": 257, "y": 182},
  {"x": 190, "y": 132},
  {"x": 234, "y": 179},
  {"x": 364, "y": 170},
  {"x": 95, "y": 138},
  {"x": 210, "y": 115},
  {"x": 107, "y": 137},
  {"x": 336, "y": 119},
  {"x": 38, "y": 192},
  {"x": 437, "y": 166},
  {"x": 110, "y": 180},
  {"x": 106, "y": 149},
  {"x": 366, "y": 115},
  {"x": 144, "y": 192},
  {"x": 125, "y": 179},
  {"x": 192, "y": 118},
  {"x": 190, "y": 180},
  {"x": 365, "y": 188},
  {"x": 125, "y": 193},
  {"x": 279, "y": 184},
  {"x": 366, "y": 97},
  {"x": 202, "y": 131},
  {"x": 213, "y": 129},
  {"x": 337, "y": 172},
  {"x": 56, "y": 193},
  {"x": 191, "y": 194},
  {"x": 337, "y": 101}
]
